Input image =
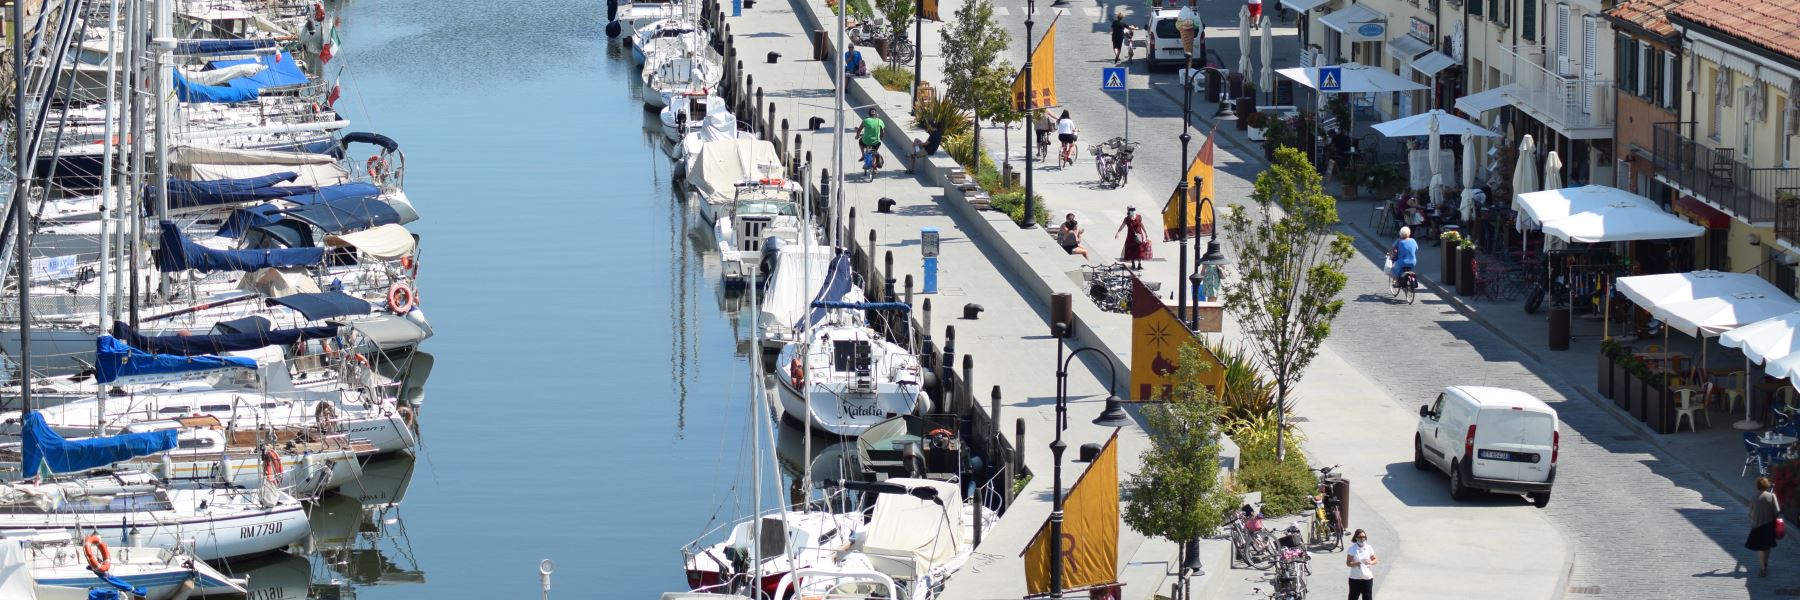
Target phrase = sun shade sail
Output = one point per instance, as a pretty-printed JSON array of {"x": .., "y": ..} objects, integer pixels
[
  {"x": 1707, "y": 303},
  {"x": 117, "y": 362},
  {"x": 387, "y": 242},
  {"x": 179, "y": 253},
  {"x": 324, "y": 305},
  {"x": 44, "y": 448}
]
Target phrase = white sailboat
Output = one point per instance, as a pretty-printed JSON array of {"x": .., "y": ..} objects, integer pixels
[
  {"x": 919, "y": 534},
  {"x": 163, "y": 573},
  {"x": 134, "y": 508},
  {"x": 679, "y": 66},
  {"x": 846, "y": 378}
]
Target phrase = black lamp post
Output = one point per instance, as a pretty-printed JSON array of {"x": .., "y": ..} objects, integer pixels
[
  {"x": 918, "y": 52},
  {"x": 1214, "y": 258},
  {"x": 1113, "y": 416},
  {"x": 1182, "y": 190},
  {"x": 1030, "y": 116}
]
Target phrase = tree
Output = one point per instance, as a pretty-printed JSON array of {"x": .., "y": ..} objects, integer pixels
[
  {"x": 899, "y": 15},
  {"x": 1290, "y": 272},
  {"x": 972, "y": 44},
  {"x": 1178, "y": 493}
]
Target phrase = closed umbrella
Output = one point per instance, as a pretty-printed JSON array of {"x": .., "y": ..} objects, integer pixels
[
  {"x": 1244, "y": 40},
  {"x": 1468, "y": 178},
  {"x": 1435, "y": 146},
  {"x": 1524, "y": 181},
  {"x": 1267, "y": 80},
  {"x": 1552, "y": 171}
]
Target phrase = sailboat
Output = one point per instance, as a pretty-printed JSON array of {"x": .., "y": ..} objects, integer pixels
[
  {"x": 920, "y": 533},
  {"x": 842, "y": 376},
  {"x": 679, "y": 66},
  {"x": 57, "y": 560}
]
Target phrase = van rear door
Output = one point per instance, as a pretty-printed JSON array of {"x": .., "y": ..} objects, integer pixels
[{"x": 1512, "y": 444}]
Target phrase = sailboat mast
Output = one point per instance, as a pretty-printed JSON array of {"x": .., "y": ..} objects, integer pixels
[
  {"x": 106, "y": 164},
  {"x": 20, "y": 175},
  {"x": 164, "y": 48},
  {"x": 755, "y": 445},
  {"x": 837, "y": 147},
  {"x": 134, "y": 40}
]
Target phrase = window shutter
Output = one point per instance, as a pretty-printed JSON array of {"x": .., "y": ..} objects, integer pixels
[
  {"x": 1722, "y": 88},
  {"x": 1793, "y": 107},
  {"x": 1590, "y": 58},
  {"x": 1668, "y": 80},
  {"x": 1644, "y": 70},
  {"x": 1562, "y": 39},
  {"x": 1622, "y": 59}
]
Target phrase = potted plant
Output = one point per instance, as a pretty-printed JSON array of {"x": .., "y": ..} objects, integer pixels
[
  {"x": 1280, "y": 132},
  {"x": 1447, "y": 262},
  {"x": 1381, "y": 177},
  {"x": 1465, "y": 267},
  {"x": 1256, "y": 124}
]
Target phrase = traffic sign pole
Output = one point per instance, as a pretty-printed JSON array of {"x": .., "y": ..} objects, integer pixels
[{"x": 1116, "y": 79}]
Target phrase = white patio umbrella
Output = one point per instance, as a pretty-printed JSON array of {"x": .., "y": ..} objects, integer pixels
[
  {"x": 1525, "y": 178},
  {"x": 1420, "y": 124},
  {"x": 1468, "y": 178},
  {"x": 1244, "y": 40},
  {"x": 1434, "y": 146},
  {"x": 1552, "y": 171},
  {"x": 1267, "y": 80}
]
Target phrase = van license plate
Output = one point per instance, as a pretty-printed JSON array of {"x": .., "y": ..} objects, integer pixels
[{"x": 1495, "y": 455}]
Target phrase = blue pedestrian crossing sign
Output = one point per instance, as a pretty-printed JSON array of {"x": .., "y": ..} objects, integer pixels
[
  {"x": 1112, "y": 79},
  {"x": 1331, "y": 79}
]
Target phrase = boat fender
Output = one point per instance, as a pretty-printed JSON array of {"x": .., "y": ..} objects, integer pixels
[
  {"x": 612, "y": 14},
  {"x": 103, "y": 562},
  {"x": 613, "y": 29},
  {"x": 929, "y": 381},
  {"x": 401, "y": 298},
  {"x": 796, "y": 374},
  {"x": 319, "y": 12}
]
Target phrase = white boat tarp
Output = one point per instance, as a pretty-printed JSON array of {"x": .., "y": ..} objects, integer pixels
[
  {"x": 793, "y": 285},
  {"x": 275, "y": 283},
  {"x": 209, "y": 164},
  {"x": 908, "y": 536},
  {"x": 15, "y": 572},
  {"x": 1707, "y": 303},
  {"x": 1598, "y": 213},
  {"x": 222, "y": 75},
  {"x": 386, "y": 242},
  {"x": 723, "y": 164},
  {"x": 388, "y": 332}
]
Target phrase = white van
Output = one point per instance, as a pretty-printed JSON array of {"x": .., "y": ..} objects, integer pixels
[
  {"x": 1165, "y": 41},
  {"x": 1492, "y": 439}
]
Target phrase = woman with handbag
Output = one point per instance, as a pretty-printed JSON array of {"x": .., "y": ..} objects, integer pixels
[
  {"x": 1137, "y": 243},
  {"x": 1765, "y": 523}
]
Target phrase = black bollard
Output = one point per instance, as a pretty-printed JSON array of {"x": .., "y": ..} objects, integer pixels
[
  {"x": 946, "y": 369},
  {"x": 824, "y": 187},
  {"x": 993, "y": 443},
  {"x": 887, "y": 276},
  {"x": 966, "y": 391},
  {"x": 870, "y": 252},
  {"x": 906, "y": 319},
  {"x": 925, "y": 323},
  {"x": 786, "y": 150},
  {"x": 769, "y": 134},
  {"x": 1018, "y": 457}
]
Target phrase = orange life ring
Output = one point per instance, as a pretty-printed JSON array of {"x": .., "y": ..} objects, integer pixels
[
  {"x": 272, "y": 467},
  {"x": 360, "y": 359},
  {"x": 796, "y": 374},
  {"x": 771, "y": 181},
  {"x": 401, "y": 298},
  {"x": 104, "y": 562},
  {"x": 378, "y": 167}
]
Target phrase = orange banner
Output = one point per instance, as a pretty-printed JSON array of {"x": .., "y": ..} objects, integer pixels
[
  {"x": 1090, "y": 530},
  {"x": 1202, "y": 167},
  {"x": 1043, "y": 73},
  {"x": 1157, "y": 336},
  {"x": 929, "y": 8}
]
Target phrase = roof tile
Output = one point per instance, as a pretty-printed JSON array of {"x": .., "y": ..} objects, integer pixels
[
  {"x": 1648, "y": 14},
  {"x": 1771, "y": 24}
]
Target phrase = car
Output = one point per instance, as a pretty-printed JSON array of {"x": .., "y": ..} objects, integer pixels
[
  {"x": 1165, "y": 40},
  {"x": 1487, "y": 438}
]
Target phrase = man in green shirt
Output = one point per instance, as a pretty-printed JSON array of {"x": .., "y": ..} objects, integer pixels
[{"x": 870, "y": 135}]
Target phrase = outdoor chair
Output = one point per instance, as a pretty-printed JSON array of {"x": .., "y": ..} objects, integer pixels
[
  {"x": 1734, "y": 391},
  {"x": 1686, "y": 407},
  {"x": 1753, "y": 455}
]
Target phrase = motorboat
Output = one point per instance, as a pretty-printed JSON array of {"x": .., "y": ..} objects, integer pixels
[
  {"x": 790, "y": 540},
  {"x": 163, "y": 573},
  {"x": 920, "y": 533},
  {"x": 633, "y": 16},
  {"x": 136, "y": 508},
  {"x": 694, "y": 112},
  {"x": 716, "y": 171},
  {"x": 763, "y": 213}
]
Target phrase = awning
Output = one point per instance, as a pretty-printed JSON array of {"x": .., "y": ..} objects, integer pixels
[
  {"x": 324, "y": 305},
  {"x": 386, "y": 242},
  {"x": 1598, "y": 213},
  {"x": 1304, "y": 5},
  {"x": 387, "y": 332},
  {"x": 1772, "y": 342},
  {"x": 1480, "y": 102},
  {"x": 1407, "y": 47},
  {"x": 1430, "y": 64},
  {"x": 1707, "y": 303},
  {"x": 1347, "y": 20},
  {"x": 1706, "y": 215}
]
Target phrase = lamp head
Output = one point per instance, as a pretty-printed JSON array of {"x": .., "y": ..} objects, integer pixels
[
  {"x": 1226, "y": 112},
  {"x": 1214, "y": 256},
  {"x": 1114, "y": 415}
]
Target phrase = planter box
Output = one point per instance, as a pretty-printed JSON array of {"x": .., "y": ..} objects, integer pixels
[
  {"x": 1447, "y": 266},
  {"x": 1603, "y": 371},
  {"x": 1465, "y": 272},
  {"x": 1659, "y": 409},
  {"x": 1256, "y": 133},
  {"x": 1621, "y": 381}
]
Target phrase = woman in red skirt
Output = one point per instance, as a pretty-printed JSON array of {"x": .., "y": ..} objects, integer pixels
[{"x": 1137, "y": 244}]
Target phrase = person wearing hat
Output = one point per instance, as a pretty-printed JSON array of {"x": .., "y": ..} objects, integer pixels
[{"x": 1137, "y": 244}]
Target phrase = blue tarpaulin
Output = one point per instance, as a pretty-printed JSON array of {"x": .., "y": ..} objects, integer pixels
[
  {"x": 837, "y": 284},
  {"x": 324, "y": 305},
  {"x": 185, "y": 193},
  {"x": 280, "y": 71},
  {"x": 43, "y": 447},
  {"x": 188, "y": 91},
  {"x": 115, "y": 361},
  {"x": 333, "y": 193},
  {"x": 349, "y": 214},
  {"x": 247, "y": 218},
  {"x": 189, "y": 47},
  {"x": 195, "y": 345},
  {"x": 178, "y": 253}
]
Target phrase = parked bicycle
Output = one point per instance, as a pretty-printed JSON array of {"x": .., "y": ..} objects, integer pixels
[
  {"x": 1249, "y": 543},
  {"x": 1112, "y": 158},
  {"x": 1292, "y": 566},
  {"x": 1326, "y": 529},
  {"x": 1109, "y": 286}
]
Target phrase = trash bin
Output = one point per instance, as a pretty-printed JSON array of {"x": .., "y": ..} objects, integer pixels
[
  {"x": 1559, "y": 328},
  {"x": 1234, "y": 83},
  {"x": 1341, "y": 488},
  {"x": 1213, "y": 83},
  {"x": 821, "y": 45}
]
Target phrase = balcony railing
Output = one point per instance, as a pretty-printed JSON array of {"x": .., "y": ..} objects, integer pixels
[
  {"x": 1566, "y": 103},
  {"x": 1787, "y": 215},
  {"x": 1718, "y": 177}
]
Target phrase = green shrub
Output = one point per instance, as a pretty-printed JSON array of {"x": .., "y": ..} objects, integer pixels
[
  {"x": 934, "y": 110},
  {"x": 1246, "y": 393},
  {"x": 1287, "y": 487},
  {"x": 895, "y": 79},
  {"x": 1012, "y": 202}
]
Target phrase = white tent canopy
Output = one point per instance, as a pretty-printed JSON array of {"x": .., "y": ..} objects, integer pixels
[
  {"x": 1598, "y": 213},
  {"x": 1707, "y": 303},
  {"x": 1356, "y": 78},
  {"x": 1768, "y": 340},
  {"x": 1420, "y": 124}
]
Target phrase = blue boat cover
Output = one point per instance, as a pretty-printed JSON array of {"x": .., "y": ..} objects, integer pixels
[
  {"x": 190, "y": 47},
  {"x": 178, "y": 253},
  {"x": 333, "y": 193},
  {"x": 114, "y": 360},
  {"x": 324, "y": 305},
  {"x": 216, "y": 343},
  {"x": 188, "y": 91},
  {"x": 837, "y": 284},
  {"x": 43, "y": 447},
  {"x": 248, "y": 218},
  {"x": 184, "y": 193},
  {"x": 349, "y": 214},
  {"x": 899, "y": 306},
  {"x": 386, "y": 143},
  {"x": 280, "y": 71}
]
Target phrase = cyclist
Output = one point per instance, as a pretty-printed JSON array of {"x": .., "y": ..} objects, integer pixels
[
  {"x": 869, "y": 136},
  {"x": 1046, "y": 123},
  {"x": 1065, "y": 132},
  {"x": 1404, "y": 253}
]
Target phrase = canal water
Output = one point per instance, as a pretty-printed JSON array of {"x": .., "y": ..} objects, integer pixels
[{"x": 589, "y": 402}]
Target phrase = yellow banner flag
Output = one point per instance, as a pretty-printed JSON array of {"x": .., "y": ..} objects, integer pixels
[
  {"x": 1043, "y": 73},
  {"x": 930, "y": 10},
  {"x": 1202, "y": 167},
  {"x": 1157, "y": 336},
  {"x": 1090, "y": 530}
]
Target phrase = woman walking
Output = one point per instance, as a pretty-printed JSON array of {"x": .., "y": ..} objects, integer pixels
[
  {"x": 1765, "y": 513},
  {"x": 1137, "y": 244},
  {"x": 1359, "y": 557}
]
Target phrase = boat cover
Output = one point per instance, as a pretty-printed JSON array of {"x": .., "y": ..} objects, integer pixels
[
  {"x": 837, "y": 284},
  {"x": 349, "y": 214},
  {"x": 906, "y": 526},
  {"x": 276, "y": 283},
  {"x": 354, "y": 189},
  {"x": 185, "y": 193},
  {"x": 280, "y": 71},
  {"x": 388, "y": 332},
  {"x": 248, "y": 218},
  {"x": 722, "y": 164},
  {"x": 324, "y": 305},
  {"x": 116, "y": 361},
  {"x": 15, "y": 571},
  {"x": 188, "y": 47},
  {"x": 386, "y": 143},
  {"x": 387, "y": 242},
  {"x": 43, "y": 447},
  {"x": 220, "y": 76},
  {"x": 197, "y": 163},
  {"x": 218, "y": 343},
  {"x": 179, "y": 253},
  {"x": 790, "y": 289},
  {"x": 188, "y": 91}
]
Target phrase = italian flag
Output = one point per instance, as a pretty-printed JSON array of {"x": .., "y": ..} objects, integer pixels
[{"x": 332, "y": 45}]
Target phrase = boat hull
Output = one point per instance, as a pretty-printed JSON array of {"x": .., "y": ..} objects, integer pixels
[
  {"x": 849, "y": 414},
  {"x": 216, "y": 534}
]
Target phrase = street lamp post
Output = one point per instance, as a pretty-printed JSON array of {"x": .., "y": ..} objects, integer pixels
[
  {"x": 1209, "y": 262},
  {"x": 1113, "y": 416},
  {"x": 1031, "y": 109},
  {"x": 918, "y": 52},
  {"x": 1182, "y": 190}
]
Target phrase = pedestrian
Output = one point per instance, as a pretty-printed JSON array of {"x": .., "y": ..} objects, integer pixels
[
  {"x": 1359, "y": 557},
  {"x": 1765, "y": 519},
  {"x": 1119, "y": 28},
  {"x": 1255, "y": 13},
  {"x": 1069, "y": 237},
  {"x": 1137, "y": 244},
  {"x": 934, "y": 137}
]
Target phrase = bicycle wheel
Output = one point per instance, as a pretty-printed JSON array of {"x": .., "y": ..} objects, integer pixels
[
  {"x": 1411, "y": 293},
  {"x": 1262, "y": 552}
]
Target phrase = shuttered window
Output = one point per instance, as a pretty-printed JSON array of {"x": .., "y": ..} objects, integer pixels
[
  {"x": 1529, "y": 21},
  {"x": 1590, "y": 59},
  {"x": 1562, "y": 40},
  {"x": 1669, "y": 73}
]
